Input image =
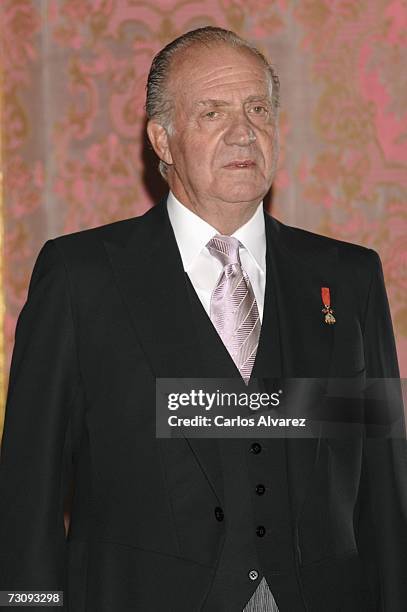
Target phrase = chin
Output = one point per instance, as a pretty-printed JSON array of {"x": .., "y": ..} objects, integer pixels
[
  {"x": 243, "y": 195},
  {"x": 240, "y": 186}
]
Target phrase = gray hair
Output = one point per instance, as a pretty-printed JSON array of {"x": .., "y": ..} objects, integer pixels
[{"x": 159, "y": 105}]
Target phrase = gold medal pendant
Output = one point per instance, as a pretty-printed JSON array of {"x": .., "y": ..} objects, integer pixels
[
  {"x": 329, "y": 317},
  {"x": 327, "y": 310}
]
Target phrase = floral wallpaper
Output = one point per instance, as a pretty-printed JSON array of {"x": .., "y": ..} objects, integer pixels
[{"x": 74, "y": 151}]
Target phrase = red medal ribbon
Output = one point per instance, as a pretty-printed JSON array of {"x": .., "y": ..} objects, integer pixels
[{"x": 326, "y": 297}]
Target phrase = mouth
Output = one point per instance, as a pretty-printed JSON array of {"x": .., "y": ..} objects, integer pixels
[{"x": 240, "y": 164}]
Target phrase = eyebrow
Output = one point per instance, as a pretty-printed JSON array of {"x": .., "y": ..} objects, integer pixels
[{"x": 216, "y": 102}]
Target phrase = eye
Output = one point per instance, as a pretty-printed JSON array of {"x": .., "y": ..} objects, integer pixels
[
  {"x": 259, "y": 110},
  {"x": 211, "y": 114}
]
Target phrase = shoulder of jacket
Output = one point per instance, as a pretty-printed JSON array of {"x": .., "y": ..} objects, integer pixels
[
  {"x": 86, "y": 246},
  {"x": 348, "y": 253}
]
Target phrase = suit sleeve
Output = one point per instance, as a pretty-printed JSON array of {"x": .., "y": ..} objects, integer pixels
[
  {"x": 382, "y": 505},
  {"x": 44, "y": 382}
]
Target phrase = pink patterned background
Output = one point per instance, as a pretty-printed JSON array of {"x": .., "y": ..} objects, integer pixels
[{"x": 74, "y": 150}]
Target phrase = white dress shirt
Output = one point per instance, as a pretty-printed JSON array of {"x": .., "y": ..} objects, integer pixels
[{"x": 192, "y": 235}]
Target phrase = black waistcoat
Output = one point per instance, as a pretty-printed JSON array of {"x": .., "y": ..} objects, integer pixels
[{"x": 273, "y": 554}]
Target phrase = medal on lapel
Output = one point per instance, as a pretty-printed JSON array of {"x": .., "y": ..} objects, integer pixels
[{"x": 327, "y": 310}]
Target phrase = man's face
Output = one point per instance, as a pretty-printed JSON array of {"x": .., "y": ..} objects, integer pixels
[{"x": 221, "y": 146}]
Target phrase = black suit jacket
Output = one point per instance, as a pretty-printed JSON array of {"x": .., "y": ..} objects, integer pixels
[{"x": 107, "y": 312}]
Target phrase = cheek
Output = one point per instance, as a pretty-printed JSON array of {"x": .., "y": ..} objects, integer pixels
[
  {"x": 195, "y": 168},
  {"x": 192, "y": 146},
  {"x": 200, "y": 156},
  {"x": 266, "y": 145}
]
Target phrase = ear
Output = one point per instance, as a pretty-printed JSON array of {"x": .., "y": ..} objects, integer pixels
[{"x": 158, "y": 137}]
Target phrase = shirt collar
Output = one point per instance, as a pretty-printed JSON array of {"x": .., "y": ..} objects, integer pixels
[
  {"x": 253, "y": 237},
  {"x": 192, "y": 233}
]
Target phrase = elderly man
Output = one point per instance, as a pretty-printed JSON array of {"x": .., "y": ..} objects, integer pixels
[{"x": 203, "y": 285}]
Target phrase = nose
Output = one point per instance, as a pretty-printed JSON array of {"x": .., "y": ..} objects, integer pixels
[{"x": 240, "y": 132}]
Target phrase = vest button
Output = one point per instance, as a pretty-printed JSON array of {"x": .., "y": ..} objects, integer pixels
[
  {"x": 260, "y": 530},
  {"x": 255, "y": 448},
  {"x": 260, "y": 489},
  {"x": 253, "y": 574},
  {"x": 219, "y": 514}
]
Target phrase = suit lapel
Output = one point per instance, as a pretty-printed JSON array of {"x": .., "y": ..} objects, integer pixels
[
  {"x": 150, "y": 276},
  {"x": 149, "y": 273},
  {"x": 300, "y": 267}
]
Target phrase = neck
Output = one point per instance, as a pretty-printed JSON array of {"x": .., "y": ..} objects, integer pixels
[
  {"x": 225, "y": 217},
  {"x": 229, "y": 223}
]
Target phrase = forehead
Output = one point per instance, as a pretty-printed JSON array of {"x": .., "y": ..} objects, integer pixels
[{"x": 218, "y": 71}]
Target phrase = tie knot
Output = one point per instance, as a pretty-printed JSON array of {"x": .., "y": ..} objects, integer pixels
[{"x": 225, "y": 249}]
